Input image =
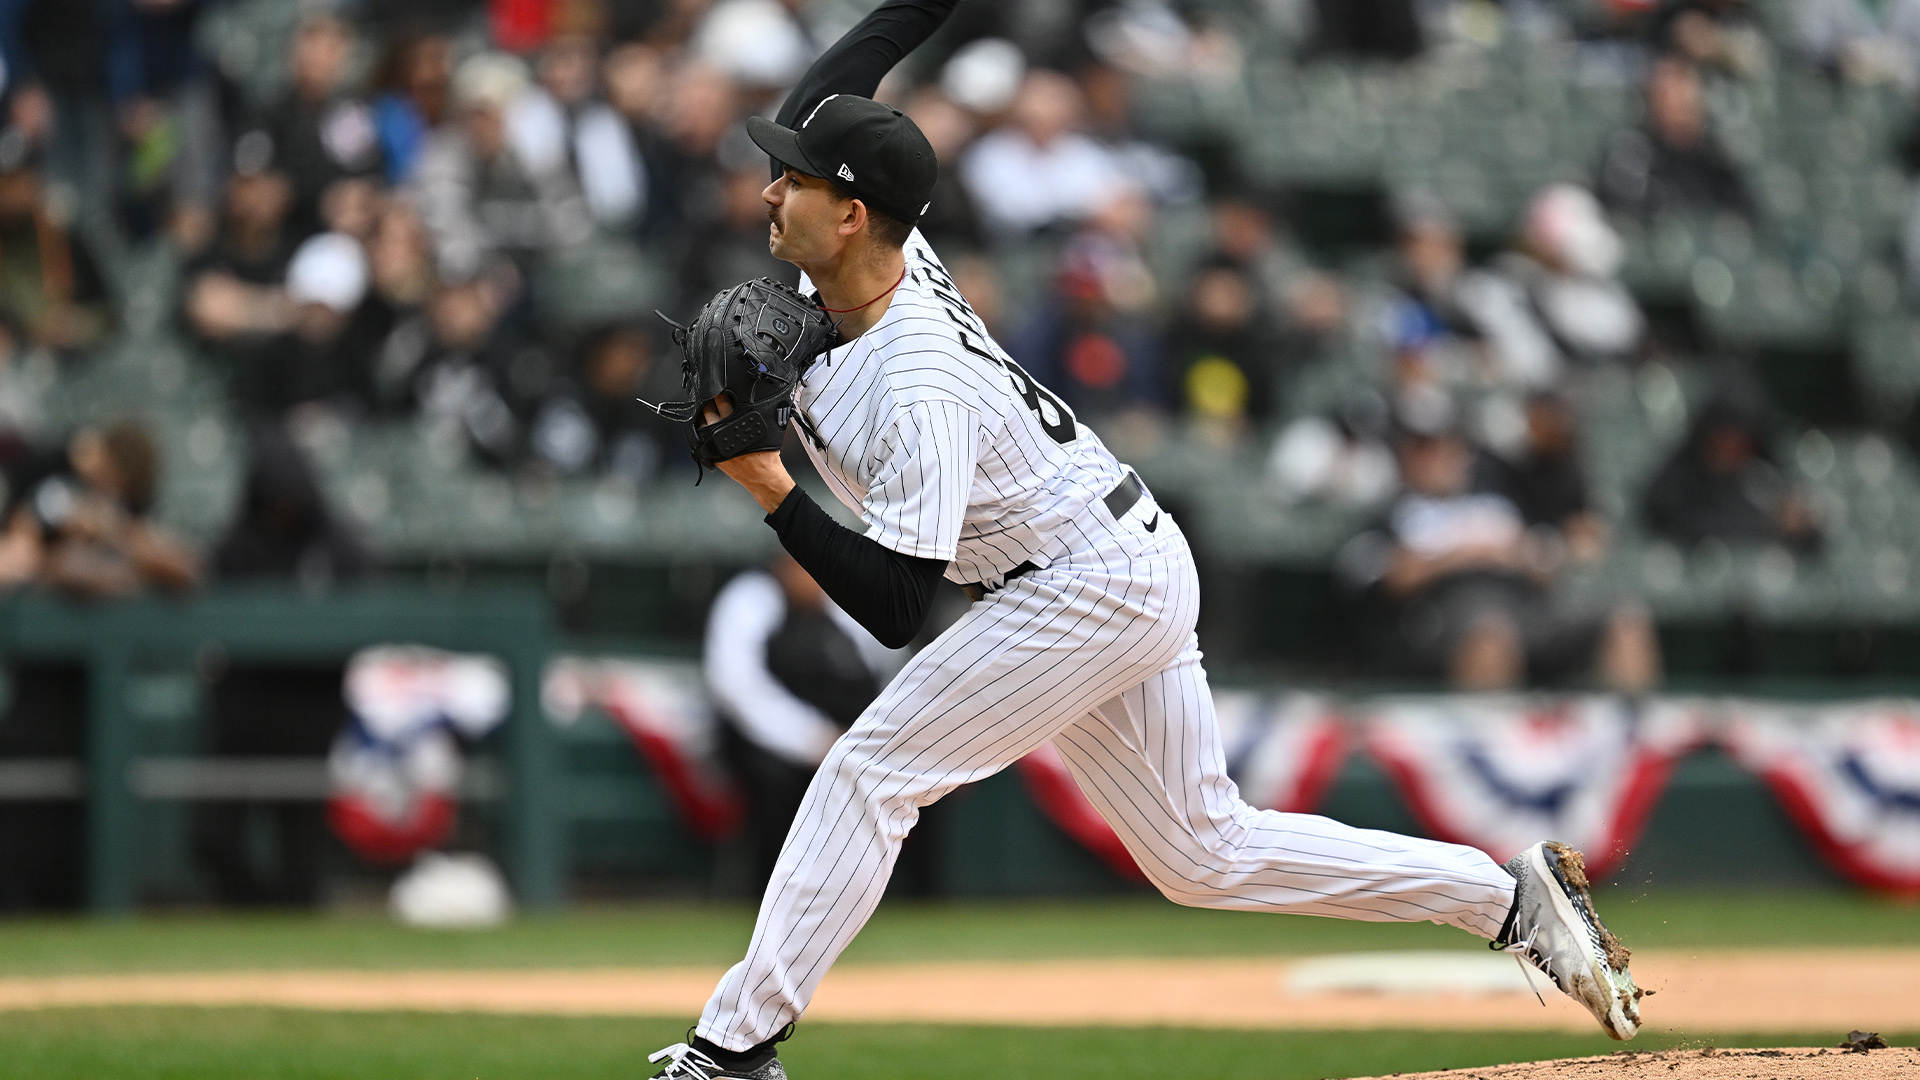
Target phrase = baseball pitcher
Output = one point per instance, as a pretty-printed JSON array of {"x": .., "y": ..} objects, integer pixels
[{"x": 1081, "y": 633}]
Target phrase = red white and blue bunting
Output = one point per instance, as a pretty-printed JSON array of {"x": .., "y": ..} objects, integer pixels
[
  {"x": 1847, "y": 774},
  {"x": 663, "y": 707},
  {"x": 1497, "y": 772},
  {"x": 395, "y": 766},
  {"x": 1283, "y": 750},
  {"x": 1501, "y": 772}
]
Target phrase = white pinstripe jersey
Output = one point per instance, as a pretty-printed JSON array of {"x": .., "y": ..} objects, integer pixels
[{"x": 942, "y": 444}]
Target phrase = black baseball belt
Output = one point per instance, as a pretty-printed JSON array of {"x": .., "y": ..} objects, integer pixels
[{"x": 1119, "y": 501}]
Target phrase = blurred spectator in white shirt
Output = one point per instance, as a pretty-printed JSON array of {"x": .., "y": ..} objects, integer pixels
[
  {"x": 1459, "y": 587},
  {"x": 1570, "y": 264},
  {"x": 758, "y": 43},
  {"x": 1041, "y": 169},
  {"x": 1556, "y": 299},
  {"x": 789, "y": 671},
  {"x": 1861, "y": 42},
  {"x": 559, "y": 125},
  {"x": 478, "y": 194},
  {"x": 1168, "y": 177}
]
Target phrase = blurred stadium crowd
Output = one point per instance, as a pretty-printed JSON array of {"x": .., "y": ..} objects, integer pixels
[{"x": 1534, "y": 320}]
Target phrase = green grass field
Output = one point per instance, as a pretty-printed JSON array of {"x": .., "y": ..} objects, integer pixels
[
  {"x": 266, "y": 1044},
  {"x": 260, "y": 1044}
]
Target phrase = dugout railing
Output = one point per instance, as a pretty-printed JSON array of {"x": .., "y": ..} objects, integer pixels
[{"x": 276, "y": 626}]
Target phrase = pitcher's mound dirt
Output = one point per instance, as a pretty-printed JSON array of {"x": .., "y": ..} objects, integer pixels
[{"x": 1787, "y": 1063}]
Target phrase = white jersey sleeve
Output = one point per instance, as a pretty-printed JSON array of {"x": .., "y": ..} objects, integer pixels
[
  {"x": 745, "y": 615},
  {"x": 918, "y": 499},
  {"x": 942, "y": 444}
]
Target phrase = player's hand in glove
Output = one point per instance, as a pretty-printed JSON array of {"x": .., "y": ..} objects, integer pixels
[{"x": 742, "y": 359}]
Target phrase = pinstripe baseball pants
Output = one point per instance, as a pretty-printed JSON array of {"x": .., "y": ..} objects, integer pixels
[{"x": 1097, "y": 654}]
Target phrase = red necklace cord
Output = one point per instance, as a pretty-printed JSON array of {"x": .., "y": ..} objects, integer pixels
[{"x": 875, "y": 300}]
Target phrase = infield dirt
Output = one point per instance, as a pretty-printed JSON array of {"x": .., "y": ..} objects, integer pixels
[
  {"x": 1800, "y": 1063},
  {"x": 1696, "y": 994}
]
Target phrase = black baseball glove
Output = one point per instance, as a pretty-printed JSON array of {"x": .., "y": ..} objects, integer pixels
[{"x": 752, "y": 342}]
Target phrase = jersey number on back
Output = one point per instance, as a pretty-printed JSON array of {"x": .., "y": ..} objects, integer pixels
[{"x": 1055, "y": 418}]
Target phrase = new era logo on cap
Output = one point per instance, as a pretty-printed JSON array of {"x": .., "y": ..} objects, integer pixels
[{"x": 846, "y": 173}]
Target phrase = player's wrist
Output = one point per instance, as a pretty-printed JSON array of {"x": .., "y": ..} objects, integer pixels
[
  {"x": 764, "y": 476},
  {"x": 773, "y": 492}
]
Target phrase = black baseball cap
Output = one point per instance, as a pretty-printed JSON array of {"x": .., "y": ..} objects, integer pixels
[{"x": 869, "y": 149}]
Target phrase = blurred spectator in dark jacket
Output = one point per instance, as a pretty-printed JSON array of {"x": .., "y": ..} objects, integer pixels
[
  {"x": 169, "y": 116},
  {"x": 387, "y": 337},
  {"x": 789, "y": 672},
  {"x": 730, "y": 247},
  {"x": 635, "y": 79},
  {"x": 1383, "y": 29},
  {"x": 952, "y": 221},
  {"x": 322, "y": 135},
  {"x": 698, "y": 107},
  {"x": 463, "y": 384},
  {"x": 313, "y": 361},
  {"x": 233, "y": 292},
  {"x": 50, "y": 285},
  {"x": 1308, "y": 306},
  {"x": 1462, "y": 588},
  {"x": 410, "y": 100},
  {"x": 1718, "y": 35},
  {"x": 1671, "y": 164},
  {"x": 1546, "y": 482},
  {"x": 479, "y": 197},
  {"x": 283, "y": 532},
  {"x": 1094, "y": 341},
  {"x": 594, "y": 421},
  {"x": 1225, "y": 360},
  {"x": 56, "y": 51},
  {"x": 1721, "y": 484},
  {"x": 84, "y": 523}
]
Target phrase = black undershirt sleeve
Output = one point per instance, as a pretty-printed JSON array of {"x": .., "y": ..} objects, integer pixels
[
  {"x": 863, "y": 56},
  {"x": 883, "y": 590}
]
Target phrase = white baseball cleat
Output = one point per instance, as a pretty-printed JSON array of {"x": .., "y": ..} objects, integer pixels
[
  {"x": 1553, "y": 927},
  {"x": 686, "y": 1063}
]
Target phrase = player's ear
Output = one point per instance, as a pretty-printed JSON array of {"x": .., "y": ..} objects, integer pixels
[{"x": 854, "y": 219}]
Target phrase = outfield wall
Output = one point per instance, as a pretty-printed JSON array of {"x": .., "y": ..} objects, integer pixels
[{"x": 575, "y": 812}]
